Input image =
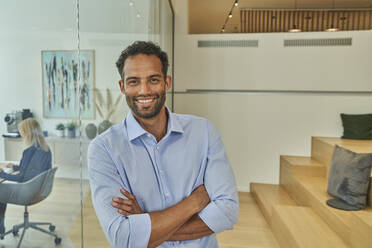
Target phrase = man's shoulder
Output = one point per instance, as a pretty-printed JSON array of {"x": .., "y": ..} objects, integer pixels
[
  {"x": 197, "y": 125},
  {"x": 193, "y": 121},
  {"x": 186, "y": 119},
  {"x": 112, "y": 134}
]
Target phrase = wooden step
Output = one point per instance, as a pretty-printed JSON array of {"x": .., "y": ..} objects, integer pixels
[
  {"x": 292, "y": 166},
  {"x": 312, "y": 192},
  {"x": 268, "y": 195},
  {"x": 322, "y": 147},
  {"x": 361, "y": 229},
  {"x": 252, "y": 230},
  {"x": 322, "y": 151},
  {"x": 300, "y": 227},
  {"x": 304, "y": 196},
  {"x": 300, "y": 166}
]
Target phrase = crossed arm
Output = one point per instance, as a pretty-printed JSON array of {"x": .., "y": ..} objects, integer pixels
[{"x": 179, "y": 222}]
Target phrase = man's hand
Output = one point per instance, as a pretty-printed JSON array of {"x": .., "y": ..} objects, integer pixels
[
  {"x": 126, "y": 206},
  {"x": 10, "y": 165},
  {"x": 201, "y": 197}
]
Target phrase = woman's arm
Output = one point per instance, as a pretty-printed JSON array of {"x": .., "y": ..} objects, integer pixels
[{"x": 21, "y": 168}]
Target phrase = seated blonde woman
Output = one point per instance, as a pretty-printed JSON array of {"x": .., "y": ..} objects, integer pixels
[{"x": 36, "y": 158}]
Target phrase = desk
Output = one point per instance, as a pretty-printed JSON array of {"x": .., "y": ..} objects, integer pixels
[
  {"x": 1, "y": 167},
  {"x": 3, "y": 164},
  {"x": 65, "y": 151}
]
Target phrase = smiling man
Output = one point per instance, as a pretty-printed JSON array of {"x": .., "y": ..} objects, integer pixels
[{"x": 159, "y": 179}]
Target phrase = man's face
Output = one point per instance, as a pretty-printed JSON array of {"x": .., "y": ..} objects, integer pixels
[{"x": 144, "y": 85}]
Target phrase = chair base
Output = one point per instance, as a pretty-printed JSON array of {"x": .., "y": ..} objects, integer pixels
[{"x": 34, "y": 225}]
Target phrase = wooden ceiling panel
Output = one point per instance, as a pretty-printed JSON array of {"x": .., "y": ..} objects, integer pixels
[
  {"x": 305, "y": 20},
  {"x": 208, "y": 16}
]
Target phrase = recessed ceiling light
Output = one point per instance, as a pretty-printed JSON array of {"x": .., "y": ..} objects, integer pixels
[
  {"x": 294, "y": 29},
  {"x": 332, "y": 29}
]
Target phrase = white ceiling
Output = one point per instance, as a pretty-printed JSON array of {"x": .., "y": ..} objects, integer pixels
[{"x": 208, "y": 16}]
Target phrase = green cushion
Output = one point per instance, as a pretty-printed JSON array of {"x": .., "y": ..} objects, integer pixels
[{"x": 357, "y": 126}]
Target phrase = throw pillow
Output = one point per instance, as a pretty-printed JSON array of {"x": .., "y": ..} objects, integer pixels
[
  {"x": 357, "y": 126},
  {"x": 348, "y": 179}
]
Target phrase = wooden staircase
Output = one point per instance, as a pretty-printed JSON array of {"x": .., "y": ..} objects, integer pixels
[{"x": 296, "y": 209}]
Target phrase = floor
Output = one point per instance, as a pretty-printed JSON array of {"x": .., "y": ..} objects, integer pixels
[
  {"x": 72, "y": 172},
  {"x": 251, "y": 231},
  {"x": 62, "y": 208}
]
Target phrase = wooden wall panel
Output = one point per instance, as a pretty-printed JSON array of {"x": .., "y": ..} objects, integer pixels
[{"x": 262, "y": 21}]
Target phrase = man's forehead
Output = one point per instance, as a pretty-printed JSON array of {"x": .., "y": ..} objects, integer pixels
[{"x": 142, "y": 61}]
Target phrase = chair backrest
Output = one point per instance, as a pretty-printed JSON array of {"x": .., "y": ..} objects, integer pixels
[
  {"x": 40, "y": 161},
  {"x": 30, "y": 192}
]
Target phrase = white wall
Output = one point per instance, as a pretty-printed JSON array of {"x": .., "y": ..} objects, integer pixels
[
  {"x": 258, "y": 127},
  {"x": 272, "y": 66},
  {"x": 28, "y": 30}
]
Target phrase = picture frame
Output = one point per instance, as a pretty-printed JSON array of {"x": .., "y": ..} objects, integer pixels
[{"x": 60, "y": 84}]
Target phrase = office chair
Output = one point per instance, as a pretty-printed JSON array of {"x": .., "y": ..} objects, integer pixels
[{"x": 26, "y": 194}]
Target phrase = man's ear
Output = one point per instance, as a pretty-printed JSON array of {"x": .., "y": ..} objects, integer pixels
[
  {"x": 168, "y": 83},
  {"x": 122, "y": 86}
]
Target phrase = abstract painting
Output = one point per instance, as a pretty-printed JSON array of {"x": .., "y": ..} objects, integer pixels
[{"x": 62, "y": 95}]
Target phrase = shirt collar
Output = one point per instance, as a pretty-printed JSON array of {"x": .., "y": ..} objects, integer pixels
[{"x": 135, "y": 130}]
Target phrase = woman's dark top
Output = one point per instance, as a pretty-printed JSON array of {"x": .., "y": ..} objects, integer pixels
[{"x": 34, "y": 161}]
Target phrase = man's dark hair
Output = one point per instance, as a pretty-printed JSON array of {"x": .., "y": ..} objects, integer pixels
[{"x": 142, "y": 47}]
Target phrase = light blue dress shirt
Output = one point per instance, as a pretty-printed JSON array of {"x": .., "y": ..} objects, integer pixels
[{"x": 161, "y": 174}]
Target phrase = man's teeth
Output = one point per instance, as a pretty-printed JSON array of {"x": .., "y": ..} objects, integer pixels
[{"x": 145, "y": 101}]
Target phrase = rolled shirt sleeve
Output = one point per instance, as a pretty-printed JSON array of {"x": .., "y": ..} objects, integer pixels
[
  {"x": 105, "y": 182},
  {"x": 223, "y": 210}
]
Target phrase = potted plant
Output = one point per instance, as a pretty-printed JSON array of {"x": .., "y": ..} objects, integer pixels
[
  {"x": 71, "y": 128},
  {"x": 60, "y": 130},
  {"x": 106, "y": 105}
]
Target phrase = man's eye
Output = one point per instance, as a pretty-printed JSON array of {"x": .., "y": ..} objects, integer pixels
[
  {"x": 155, "y": 80},
  {"x": 132, "y": 82}
]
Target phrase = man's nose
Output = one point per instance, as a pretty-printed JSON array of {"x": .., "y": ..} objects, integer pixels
[{"x": 144, "y": 88}]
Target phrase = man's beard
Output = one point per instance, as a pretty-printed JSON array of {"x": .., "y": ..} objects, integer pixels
[{"x": 159, "y": 102}]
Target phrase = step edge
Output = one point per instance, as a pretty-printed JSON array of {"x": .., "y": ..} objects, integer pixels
[{"x": 320, "y": 224}]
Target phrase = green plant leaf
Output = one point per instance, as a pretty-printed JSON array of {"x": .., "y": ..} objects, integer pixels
[
  {"x": 99, "y": 111},
  {"x": 117, "y": 101},
  {"x": 108, "y": 100},
  {"x": 99, "y": 97}
]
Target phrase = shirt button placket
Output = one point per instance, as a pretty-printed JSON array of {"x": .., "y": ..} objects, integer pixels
[{"x": 161, "y": 171}]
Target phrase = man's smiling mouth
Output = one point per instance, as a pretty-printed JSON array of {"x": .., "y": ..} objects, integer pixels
[{"x": 143, "y": 101}]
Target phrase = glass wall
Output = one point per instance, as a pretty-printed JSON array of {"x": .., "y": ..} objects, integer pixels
[
  {"x": 58, "y": 62},
  {"x": 36, "y": 46}
]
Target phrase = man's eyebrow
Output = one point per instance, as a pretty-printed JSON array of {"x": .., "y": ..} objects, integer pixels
[
  {"x": 129, "y": 78},
  {"x": 151, "y": 76},
  {"x": 155, "y": 75}
]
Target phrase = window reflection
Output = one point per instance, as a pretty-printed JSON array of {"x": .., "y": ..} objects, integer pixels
[{"x": 40, "y": 69}]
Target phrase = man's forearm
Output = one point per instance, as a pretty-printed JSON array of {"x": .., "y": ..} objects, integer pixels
[
  {"x": 166, "y": 222},
  {"x": 194, "y": 228}
]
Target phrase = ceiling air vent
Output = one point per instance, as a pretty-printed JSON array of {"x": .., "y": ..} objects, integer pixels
[
  {"x": 318, "y": 42},
  {"x": 227, "y": 43}
]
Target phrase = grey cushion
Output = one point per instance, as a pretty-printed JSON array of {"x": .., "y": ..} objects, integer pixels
[
  {"x": 341, "y": 204},
  {"x": 348, "y": 178}
]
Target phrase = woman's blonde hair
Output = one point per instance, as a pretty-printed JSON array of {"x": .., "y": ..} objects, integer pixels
[{"x": 30, "y": 131}]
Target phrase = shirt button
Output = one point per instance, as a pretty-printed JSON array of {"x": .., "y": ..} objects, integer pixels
[
  {"x": 157, "y": 148},
  {"x": 148, "y": 135}
]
